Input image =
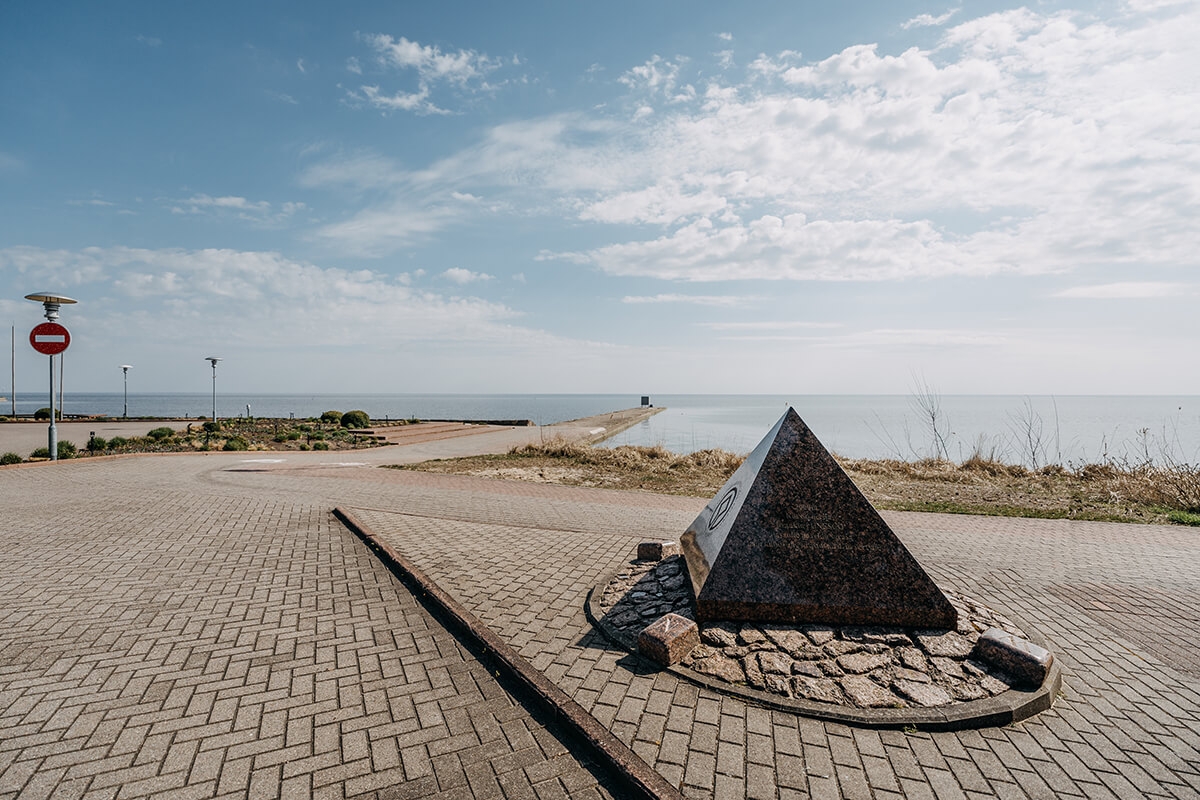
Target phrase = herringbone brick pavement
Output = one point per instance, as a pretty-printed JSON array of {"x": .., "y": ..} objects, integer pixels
[
  {"x": 1119, "y": 604},
  {"x": 155, "y": 564},
  {"x": 196, "y": 643}
]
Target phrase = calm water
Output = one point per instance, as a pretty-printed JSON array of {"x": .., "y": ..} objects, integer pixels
[{"x": 1015, "y": 428}]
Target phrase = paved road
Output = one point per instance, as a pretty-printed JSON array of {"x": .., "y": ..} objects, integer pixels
[
  {"x": 200, "y": 626},
  {"x": 23, "y": 438}
]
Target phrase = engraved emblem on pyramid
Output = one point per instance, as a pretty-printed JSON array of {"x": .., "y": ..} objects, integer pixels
[{"x": 789, "y": 538}]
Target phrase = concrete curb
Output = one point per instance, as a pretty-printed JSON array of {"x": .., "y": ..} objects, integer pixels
[
  {"x": 639, "y": 779},
  {"x": 1011, "y": 706}
]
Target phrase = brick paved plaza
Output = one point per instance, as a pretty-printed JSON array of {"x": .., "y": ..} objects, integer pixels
[{"x": 201, "y": 626}]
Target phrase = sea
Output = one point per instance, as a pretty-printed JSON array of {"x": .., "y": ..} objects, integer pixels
[{"x": 1032, "y": 430}]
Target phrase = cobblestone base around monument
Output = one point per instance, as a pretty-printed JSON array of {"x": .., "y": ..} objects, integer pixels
[{"x": 876, "y": 677}]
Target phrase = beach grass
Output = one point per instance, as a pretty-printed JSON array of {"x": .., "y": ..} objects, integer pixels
[{"x": 1111, "y": 492}]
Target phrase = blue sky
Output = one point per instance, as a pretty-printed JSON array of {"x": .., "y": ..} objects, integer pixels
[{"x": 774, "y": 197}]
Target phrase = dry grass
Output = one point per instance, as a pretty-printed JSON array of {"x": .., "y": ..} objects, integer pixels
[{"x": 980, "y": 485}]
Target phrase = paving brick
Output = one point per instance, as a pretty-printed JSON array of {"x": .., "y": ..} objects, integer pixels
[{"x": 174, "y": 598}]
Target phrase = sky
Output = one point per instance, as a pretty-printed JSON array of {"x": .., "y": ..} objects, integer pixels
[{"x": 633, "y": 197}]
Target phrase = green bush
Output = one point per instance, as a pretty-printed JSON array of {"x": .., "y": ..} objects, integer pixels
[
  {"x": 212, "y": 426},
  {"x": 279, "y": 437},
  {"x": 236, "y": 443},
  {"x": 66, "y": 449},
  {"x": 44, "y": 413},
  {"x": 304, "y": 447},
  {"x": 158, "y": 434},
  {"x": 320, "y": 446},
  {"x": 293, "y": 436},
  {"x": 117, "y": 442},
  {"x": 356, "y": 419},
  {"x": 317, "y": 435},
  {"x": 10, "y": 458},
  {"x": 332, "y": 417},
  {"x": 41, "y": 452},
  {"x": 97, "y": 443}
]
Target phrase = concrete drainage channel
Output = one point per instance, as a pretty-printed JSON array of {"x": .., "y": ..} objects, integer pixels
[{"x": 517, "y": 675}]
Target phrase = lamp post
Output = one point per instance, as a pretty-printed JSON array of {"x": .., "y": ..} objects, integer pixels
[
  {"x": 125, "y": 371},
  {"x": 51, "y": 303},
  {"x": 213, "y": 360}
]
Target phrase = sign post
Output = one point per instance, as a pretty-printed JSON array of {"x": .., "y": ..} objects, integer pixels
[{"x": 50, "y": 339}]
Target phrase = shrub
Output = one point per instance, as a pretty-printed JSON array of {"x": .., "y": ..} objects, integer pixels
[
  {"x": 356, "y": 419},
  {"x": 42, "y": 413},
  {"x": 304, "y": 447},
  {"x": 293, "y": 436},
  {"x": 66, "y": 449},
  {"x": 236, "y": 443},
  {"x": 158, "y": 434},
  {"x": 41, "y": 452},
  {"x": 279, "y": 437},
  {"x": 97, "y": 443},
  {"x": 317, "y": 435},
  {"x": 117, "y": 442},
  {"x": 320, "y": 446},
  {"x": 332, "y": 417},
  {"x": 10, "y": 458},
  {"x": 212, "y": 426}
]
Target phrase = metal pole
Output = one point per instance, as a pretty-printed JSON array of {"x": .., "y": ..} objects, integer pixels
[
  {"x": 14, "y": 370},
  {"x": 214, "y": 416},
  {"x": 125, "y": 411},
  {"x": 53, "y": 428}
]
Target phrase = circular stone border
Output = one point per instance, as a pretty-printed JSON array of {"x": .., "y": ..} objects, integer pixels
[{"x": 1009, "y": 706}]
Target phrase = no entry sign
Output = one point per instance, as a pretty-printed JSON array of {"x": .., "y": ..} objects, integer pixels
[{"x": 50, "y": 338}]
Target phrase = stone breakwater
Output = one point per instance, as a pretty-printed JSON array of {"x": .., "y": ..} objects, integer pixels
[{"x": 851, "y": 666}]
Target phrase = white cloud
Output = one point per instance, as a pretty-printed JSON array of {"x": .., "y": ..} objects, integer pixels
[
  {"x": 1023, "y": 142},
  {"x": 659, "y": 77},
  {"x": 769, "y": 325},
  {"x": 278, "y": 322},
  {"x": 1128, "y": 290},
  {"x": 149, "y": 41},
  {"x": 928, "y": 20},
  {"x": 688, "y": 299},
  {"x": 300, "y": 66},
  {"x": 237, "y": 292},
  {"x": 464, "y": 70},
  {"x": 260, "y": 211},
  {"x": 464, "y": 276},
  {"x": 10, "y": 162}
]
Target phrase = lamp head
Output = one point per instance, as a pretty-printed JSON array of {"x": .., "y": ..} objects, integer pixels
[{"x": 51, "y": 302}]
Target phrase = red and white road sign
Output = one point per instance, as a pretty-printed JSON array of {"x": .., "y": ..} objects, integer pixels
[{"x": 50, "y": 338}]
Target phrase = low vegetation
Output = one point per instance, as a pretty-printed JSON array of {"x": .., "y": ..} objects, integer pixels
[
  {"x": 1109, "y": 492},
  {"x": 327, "y": 432}
]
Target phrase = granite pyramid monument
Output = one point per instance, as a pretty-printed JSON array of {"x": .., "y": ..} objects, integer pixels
[{"x": 789, "y": 538}]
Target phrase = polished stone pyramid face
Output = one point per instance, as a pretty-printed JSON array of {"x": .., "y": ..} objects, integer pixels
[{"x": 790, "y": 538}]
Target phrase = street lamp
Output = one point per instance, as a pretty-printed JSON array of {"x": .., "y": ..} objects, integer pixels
[
  {"x": 125, "y": 371},
  {"x": 213, "y": 360},
  {"x": 51, "y": 303}
]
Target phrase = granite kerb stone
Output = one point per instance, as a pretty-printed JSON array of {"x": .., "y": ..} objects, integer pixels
[{"x": 1010, "y": 706}]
